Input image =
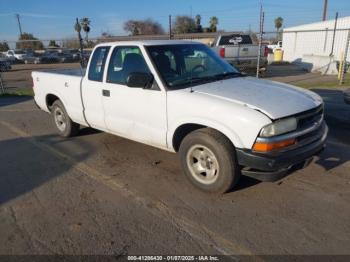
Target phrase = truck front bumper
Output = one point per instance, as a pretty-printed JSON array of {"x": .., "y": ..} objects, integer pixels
[{"x": 275, "y": 165}]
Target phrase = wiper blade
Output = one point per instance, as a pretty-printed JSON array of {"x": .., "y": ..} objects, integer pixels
[
  {"x": 200, "y": 79},
  {"x": 192, "y": 80},
  {"x": 227, "y": 75}
]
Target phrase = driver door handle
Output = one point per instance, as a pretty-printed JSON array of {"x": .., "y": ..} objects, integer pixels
[{"x": 106, "y": 93}]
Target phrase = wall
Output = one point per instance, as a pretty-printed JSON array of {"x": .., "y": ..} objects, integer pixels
[{"x": 313, "y": 48}]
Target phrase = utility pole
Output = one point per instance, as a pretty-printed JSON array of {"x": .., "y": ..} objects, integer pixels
[
  {"x": 19, "y": 24},
  {"x": 334, "y": 31},
  {"x": 170, "y": 35},
  {"x": 343, "y": 66},
  {"x": 262, "y": 16},
  {"x": 325, "y": 7}
]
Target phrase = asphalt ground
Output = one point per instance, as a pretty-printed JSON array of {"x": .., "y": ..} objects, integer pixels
[{"x": 100, "y": 194}]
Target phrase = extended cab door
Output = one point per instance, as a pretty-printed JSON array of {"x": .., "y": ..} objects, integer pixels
[
  {"x": 92, "y": 88},
  {"x": 136, "y": 113}
]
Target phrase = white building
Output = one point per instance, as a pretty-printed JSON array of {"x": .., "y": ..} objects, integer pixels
[{"x": 310, "y": 45}]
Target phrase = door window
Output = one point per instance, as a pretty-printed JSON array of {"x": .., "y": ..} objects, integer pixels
[
  {"x": 124, "y": 61},
  {"x": 97, "y": 63}
]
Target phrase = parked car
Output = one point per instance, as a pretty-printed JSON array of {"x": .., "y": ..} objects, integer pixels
[
  {"x": 65, "y": 58},
  {"x": 16, "y": 55},
  {"x": 347, "y": 96},
  {"x": 159, "y": 93},
  {"x": 75, "y": 53},
  {"x": 34, "y": 58},
  {"x": 50, "y": 57},
  {"x": 5, "y": 65},
  {"x": 240, "y": 51}
]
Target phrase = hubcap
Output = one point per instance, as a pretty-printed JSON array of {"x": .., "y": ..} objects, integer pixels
[
  {"x": 60, "y": 119},
  {"x": 202, "y": 164}
]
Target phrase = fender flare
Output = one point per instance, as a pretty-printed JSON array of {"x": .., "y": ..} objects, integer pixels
[{"x": 228, "y": 132}]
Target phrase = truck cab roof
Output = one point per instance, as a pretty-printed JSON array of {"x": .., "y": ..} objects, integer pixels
[{"x": 149, "y": 42}]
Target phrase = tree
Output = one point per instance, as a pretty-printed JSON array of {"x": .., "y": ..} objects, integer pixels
[
  {"x": 106, "y": 35},
  {"x": 85, "y": 25},
  {"x": 52, "y": 43},
  {"x": 143, "y": 27},
  {"x": 77, "y": 27},
  {"x": 197, "y": 21},
  {"x": 4, "y": 47},
  {"x": 213, "y": 22},
  {"x": 278, "y": 25},
  {"x": 184, "y": 24},
  {"x": 28, "y": 41}
]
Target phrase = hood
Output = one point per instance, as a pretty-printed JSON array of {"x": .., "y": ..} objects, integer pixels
[{"x": 274, "y": 99}]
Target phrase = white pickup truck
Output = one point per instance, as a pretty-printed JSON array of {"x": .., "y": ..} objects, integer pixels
[
  {"x": 240, "y": 51},
  {"x": 162, "y": 93}
]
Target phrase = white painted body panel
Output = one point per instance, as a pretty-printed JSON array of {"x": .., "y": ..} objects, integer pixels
[
  {"x": 237, "y": 107},
  {"x": 239, "y": 123},
  {"x": 276, "y": 100},
  {"x": 65, "y": 86}
]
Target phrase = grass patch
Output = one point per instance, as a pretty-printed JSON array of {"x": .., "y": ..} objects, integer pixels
[
  {"x": 334, "y": 83},
  {"x": 25, "y": 92}
]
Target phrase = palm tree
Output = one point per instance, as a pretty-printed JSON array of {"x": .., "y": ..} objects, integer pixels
[
  {"x": 85, "y": 24},
  {"x": 197, "y": 20},
  {"x": 77, "y": 27},
  {"x": 214, "y": 21},
  {"x": 278, "y": 25}
]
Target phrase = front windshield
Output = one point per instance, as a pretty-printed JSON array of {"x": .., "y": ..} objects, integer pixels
[{"x": 187, "y": 65}]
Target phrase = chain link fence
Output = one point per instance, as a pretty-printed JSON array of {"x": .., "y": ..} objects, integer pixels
[{"x": 303, "y": 52}]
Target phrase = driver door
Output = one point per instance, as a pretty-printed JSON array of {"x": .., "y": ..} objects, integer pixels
[{"x": 135, "y": 113}]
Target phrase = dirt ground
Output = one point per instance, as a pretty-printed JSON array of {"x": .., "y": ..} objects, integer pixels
[{"x": 100, "y": 194}]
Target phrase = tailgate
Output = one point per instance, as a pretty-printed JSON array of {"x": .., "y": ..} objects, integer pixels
[{"x": 241, "y": 51}]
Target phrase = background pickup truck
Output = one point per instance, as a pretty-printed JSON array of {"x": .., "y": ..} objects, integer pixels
[
  {"x": 181, "y": 97},
  {"x": 240, "y": 51}
]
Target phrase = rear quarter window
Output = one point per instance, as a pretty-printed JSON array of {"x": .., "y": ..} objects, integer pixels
[
  {"x": 97, "y": 63},
  {"x": 235, "y": 39}
]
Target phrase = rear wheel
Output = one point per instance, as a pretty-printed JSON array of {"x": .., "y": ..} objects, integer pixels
[
  {"x": 64, "y": 125},
  {"x": 209, "y": 161}
]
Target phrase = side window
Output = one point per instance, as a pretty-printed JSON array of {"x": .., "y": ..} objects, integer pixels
[
  {"x": 97, "y": 63},
  {"x": 123, "y": 62}
]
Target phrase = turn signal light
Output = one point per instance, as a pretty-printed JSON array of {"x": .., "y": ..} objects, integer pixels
[{"x": 266, "y": 147}]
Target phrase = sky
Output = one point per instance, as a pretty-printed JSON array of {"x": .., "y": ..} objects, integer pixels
[{"x": 55, "y": 19}]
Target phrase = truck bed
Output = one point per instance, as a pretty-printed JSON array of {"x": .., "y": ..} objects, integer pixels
[
  {"x": 63, "y": 83},
  {"x": 70, "y": 72}
]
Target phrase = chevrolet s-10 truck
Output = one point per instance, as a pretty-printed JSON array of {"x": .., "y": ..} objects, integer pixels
[{"x": 182, "y": 97}]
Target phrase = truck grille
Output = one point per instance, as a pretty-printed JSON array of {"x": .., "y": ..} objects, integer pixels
[{"x": 308, "y": 118}]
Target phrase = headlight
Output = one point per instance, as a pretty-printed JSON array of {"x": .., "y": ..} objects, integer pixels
[{"x": 279, "y": 127}]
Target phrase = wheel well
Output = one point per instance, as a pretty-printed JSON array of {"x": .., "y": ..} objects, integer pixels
[
  {"x": 50, "y": 99},
  {"x": 183, "y": 131}
]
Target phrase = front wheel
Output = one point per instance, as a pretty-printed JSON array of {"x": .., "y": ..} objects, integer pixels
[
  {"x": 64, "y": 125},
  {"x": 209, "y": 161}
]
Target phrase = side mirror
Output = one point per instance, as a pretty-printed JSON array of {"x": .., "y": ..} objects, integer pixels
[{"x": 139, "y": 80}]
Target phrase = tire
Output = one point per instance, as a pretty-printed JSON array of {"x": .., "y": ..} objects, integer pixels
[
  {"x": 208, "y": 159},
  {"x": 64, "y": 125}
]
